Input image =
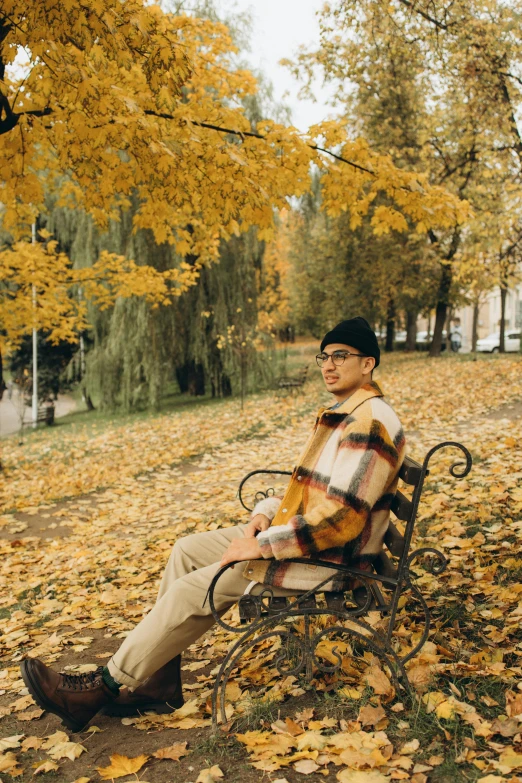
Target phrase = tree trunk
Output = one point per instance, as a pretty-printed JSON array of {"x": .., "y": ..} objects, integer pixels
[
  {"x": 87, "y": 399},
  {"x": 441, "y": 309},
  {"x": 503, "y": 297},
  {"x": 428, "y": 336},
  {"x": 196, "y": 382},
  {"x": 474, "y": 328},
  {"x": 182, "y": 378},
  {"x": 243, "y": 379},
  {"x": 411, "y": 330},
  {"x": 3, "y": 387},
  {"x": 191, "y": 379},
  {"x": 449, "y": 318},
  {"x": 390, "y": 326}
]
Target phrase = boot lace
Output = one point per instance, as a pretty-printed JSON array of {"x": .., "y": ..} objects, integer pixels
[{"x": 83, "y": 682}]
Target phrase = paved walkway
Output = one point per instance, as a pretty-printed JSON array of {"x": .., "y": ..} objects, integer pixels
[{"x": 10, "y": 412}]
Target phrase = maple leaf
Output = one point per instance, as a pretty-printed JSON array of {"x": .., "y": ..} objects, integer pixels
[
  {"x": 210, "y": 775},
  {"x": 510, "y": 758},
  {"x": 358, "y": 776},
  {"x": 305, "y": 715},
  {"x": 9, "y": 764},
  {"x": 121, "y": 766},
  {"x": 312, "y": 740},
  {"x": 174, "y": 752},
  {"x": 513, "y": 704},
  {"x": 58, "y": 738},
  {"x": 31, "y": 743},
  {"x": 371, "y": 716},
  {"x": 380, "y": 682},
  {"x": 306, "y": 766},
  {"x": 410, "y": 747},
  {"x": 46, "y": 766},
  {"x": 30, "y": 714},
  {"x": 8, "y": 743},
  {"x": 70, "y": 750}
]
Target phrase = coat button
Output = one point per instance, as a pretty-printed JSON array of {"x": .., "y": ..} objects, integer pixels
[
  {"x": 249, "y": 572},
  {"x": 299, "y": 478},
  {"x": 285, "y": 510}
]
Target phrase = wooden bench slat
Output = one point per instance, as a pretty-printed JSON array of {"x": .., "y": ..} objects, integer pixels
[
  {"x": 278, "y": 604},
  {"x": 310, "y": 603},
  {"x": 401, "y": 506},
  {"x": 410, "y": 471},
  {"x": 335, "y": 600},
  {"x": 247, "y": 608},
  {"x": 394, "y": 540}
]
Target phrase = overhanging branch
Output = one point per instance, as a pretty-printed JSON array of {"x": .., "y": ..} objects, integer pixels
[
  {"x": 252, "y": 134},
  {"x": 11, "y": 118}
]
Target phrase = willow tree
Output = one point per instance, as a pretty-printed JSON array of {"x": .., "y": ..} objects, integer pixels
[{"x": 139, "y": 350}]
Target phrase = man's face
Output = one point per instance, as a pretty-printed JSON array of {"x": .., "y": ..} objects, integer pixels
[{"x": 342, "y": 380}]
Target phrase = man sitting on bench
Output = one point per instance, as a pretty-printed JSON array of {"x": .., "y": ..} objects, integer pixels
[{"x": 336, "y": 507}]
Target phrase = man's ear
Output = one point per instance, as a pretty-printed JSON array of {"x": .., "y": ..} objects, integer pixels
[{"x": 369, "y": 365}]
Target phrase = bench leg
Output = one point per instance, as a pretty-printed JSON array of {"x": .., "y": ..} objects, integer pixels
[{"x": 304, "y": 646}]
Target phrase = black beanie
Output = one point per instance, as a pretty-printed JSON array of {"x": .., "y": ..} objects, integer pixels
[{"x": 357, "y": 333}]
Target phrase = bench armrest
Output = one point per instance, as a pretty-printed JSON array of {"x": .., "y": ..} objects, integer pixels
[{"x": 253, "y": 473}]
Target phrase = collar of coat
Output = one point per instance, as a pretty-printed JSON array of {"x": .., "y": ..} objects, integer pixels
[{"x": 366, "y": 392}]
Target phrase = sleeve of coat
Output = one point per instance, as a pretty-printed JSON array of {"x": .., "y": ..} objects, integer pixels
[
  {"x": 267, "y": 506},
  {"x": 366, "y": 463}
]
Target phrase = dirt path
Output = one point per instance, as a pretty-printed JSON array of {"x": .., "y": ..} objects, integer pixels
[
  {"x": 46, "y": 522},
  {"x": 10, "y": 412}
]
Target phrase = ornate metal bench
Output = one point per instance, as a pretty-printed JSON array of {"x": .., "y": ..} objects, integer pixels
[
  {"x": 265, "y": 616},
  {"x": 292, "y": 383}
]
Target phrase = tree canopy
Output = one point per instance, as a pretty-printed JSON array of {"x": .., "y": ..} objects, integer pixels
[
  {"x": 437, "y": 85},
  {"x": 103, "y": 102}
]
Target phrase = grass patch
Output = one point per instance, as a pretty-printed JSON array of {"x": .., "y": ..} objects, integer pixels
[
  {"x": 258, "y": 713},
  {"x": 450, "y": 612},
  {"x": 339, "y": 706},
  {"x": 480, "y": 690},
  {"x": 218, "y": 746}
]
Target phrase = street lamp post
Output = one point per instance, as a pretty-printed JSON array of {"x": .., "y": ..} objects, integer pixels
[{"x": 35, "y": 349}]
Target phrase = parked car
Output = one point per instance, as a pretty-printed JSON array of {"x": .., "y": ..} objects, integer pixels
[{"x": 491, "y": 343}]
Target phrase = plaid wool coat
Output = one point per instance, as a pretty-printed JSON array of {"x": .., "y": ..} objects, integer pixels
[{"x": 337, "y": 504}]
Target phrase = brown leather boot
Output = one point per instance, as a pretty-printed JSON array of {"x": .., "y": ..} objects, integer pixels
[
  {"x": 161, "y": 693},
  {"x": 75, "y": 698}
]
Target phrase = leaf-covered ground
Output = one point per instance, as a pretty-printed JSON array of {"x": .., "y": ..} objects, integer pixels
[{"x": 90, "y": 517}]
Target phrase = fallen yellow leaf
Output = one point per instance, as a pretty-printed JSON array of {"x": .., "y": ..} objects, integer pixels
[
  {"x": 47, "y": 766},
  {"x": 209, "y": 775},
  {"x": 121, "y": 766},
  {"x": 173, "y": 752}
]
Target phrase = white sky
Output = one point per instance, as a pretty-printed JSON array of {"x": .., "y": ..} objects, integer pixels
[{"x": 279, "y": 27}]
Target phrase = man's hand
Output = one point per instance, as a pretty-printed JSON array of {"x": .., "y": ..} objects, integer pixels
[
  {"x": 258, "y": 524},
  {"x": 241, "y": 549}
]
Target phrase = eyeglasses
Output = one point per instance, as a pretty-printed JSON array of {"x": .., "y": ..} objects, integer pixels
[{"x": 337, "y": 357}]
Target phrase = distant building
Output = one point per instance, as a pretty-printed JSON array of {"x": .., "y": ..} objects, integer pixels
[{"x": 489, "y": 316}]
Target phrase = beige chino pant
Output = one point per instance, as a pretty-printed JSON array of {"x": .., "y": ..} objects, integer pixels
[{"x": 182, "y": 612}]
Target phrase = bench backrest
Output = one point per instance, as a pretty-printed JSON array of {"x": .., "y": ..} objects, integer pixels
[{"x": 403, "y": 508}]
